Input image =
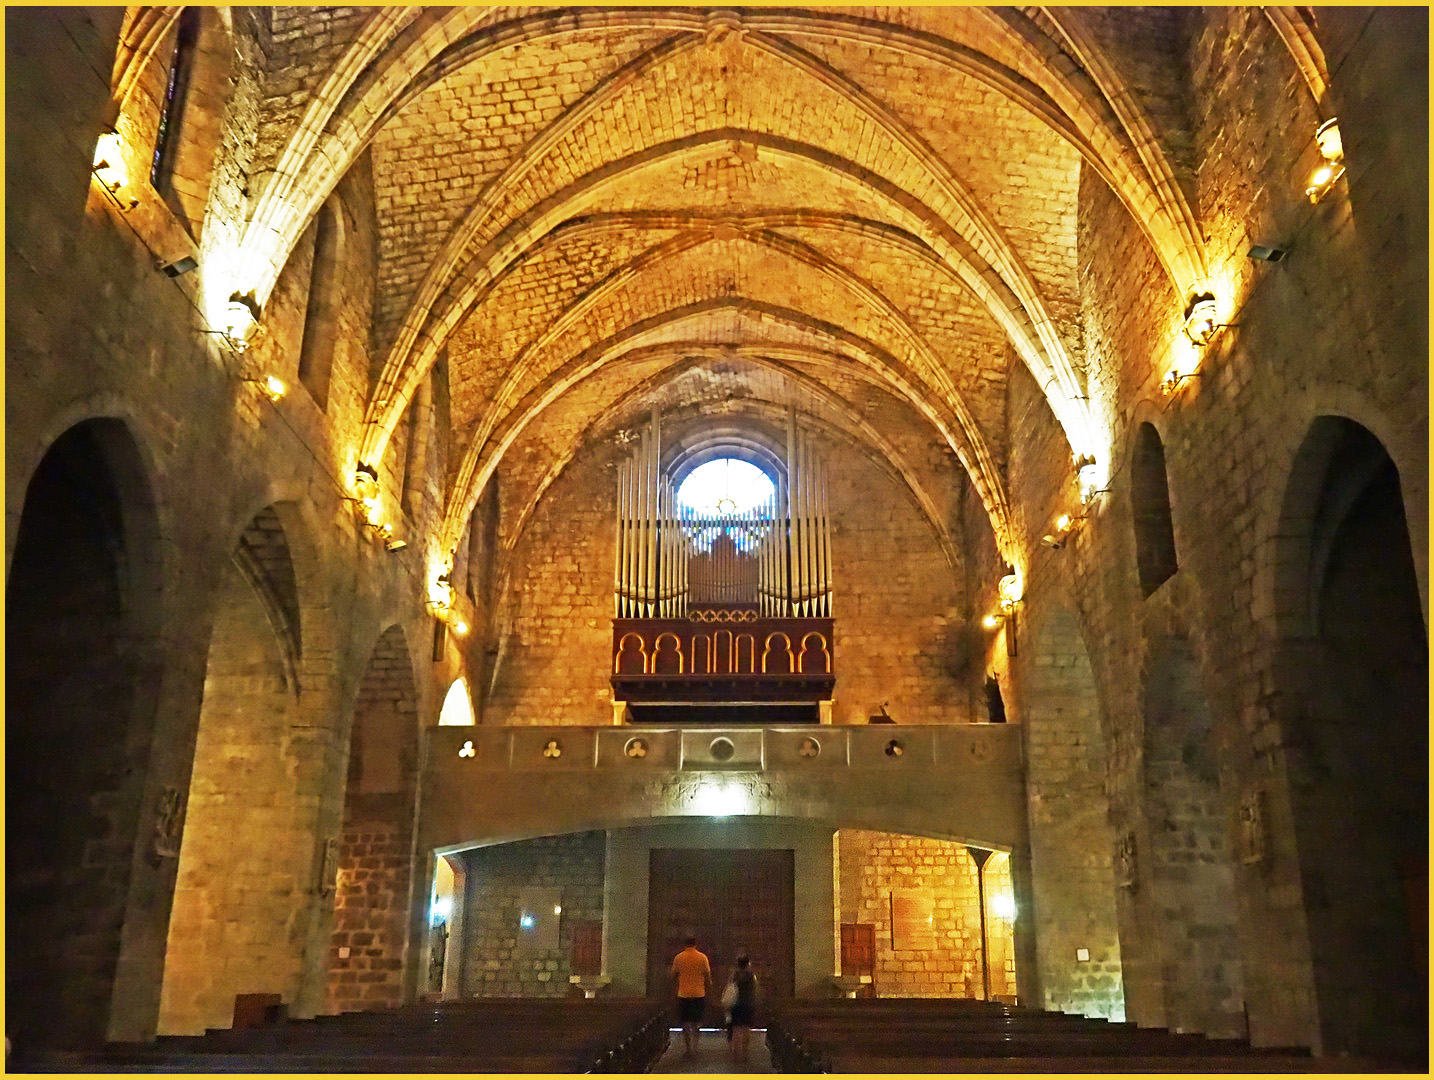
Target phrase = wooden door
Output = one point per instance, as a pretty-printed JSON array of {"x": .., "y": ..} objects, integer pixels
[{"x": 732, "y": 901}]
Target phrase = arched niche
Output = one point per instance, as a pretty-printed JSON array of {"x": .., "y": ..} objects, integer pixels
[
  {"x": 249, "y": 858},
  {"x": 326, "y": 288},
  {"x": 1351, "y": 694},
  {"x": 81, "y": 612},
  {"x": 1150, "y": 505},
  {"x": 374, "y": 848},
  {"x": 1071, "y": 850},
  {"x": 1190, "y": 873}
]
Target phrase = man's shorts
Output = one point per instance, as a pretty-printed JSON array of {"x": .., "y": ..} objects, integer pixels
[{"x": 689, "y": 1010}]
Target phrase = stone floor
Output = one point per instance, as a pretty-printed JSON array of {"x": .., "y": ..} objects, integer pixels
[{"x": 714, "y": 1055}]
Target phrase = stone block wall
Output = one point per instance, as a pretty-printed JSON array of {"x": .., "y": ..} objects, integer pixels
[
  {"x": 901, "y": 620},
  {"x": 95, "y": 330},
  {"x": 495, "y": 964},
  {"x": 375, "y": 847},
  {"x": 1305, "y": 337},
  {"x": 873, "y": 865}
]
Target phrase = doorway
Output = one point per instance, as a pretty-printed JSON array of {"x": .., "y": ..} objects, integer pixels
[{"x": 731, "y": 900}]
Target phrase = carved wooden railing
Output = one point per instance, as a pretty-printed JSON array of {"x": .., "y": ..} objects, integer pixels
[{"x": 721, "y": 654}]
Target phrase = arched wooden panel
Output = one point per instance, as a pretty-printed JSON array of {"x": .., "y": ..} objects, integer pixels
[
  {"x": 814, "y": 658},
  {"x": 631, "y": 656},
  {"x": 667, "y": 655},
  {"x": 777, "y": 658}
]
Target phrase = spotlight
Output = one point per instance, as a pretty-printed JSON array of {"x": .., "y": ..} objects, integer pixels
[
  {"x": 460, "y": 628},
  {"x": 1267, "y": 253},
  {"x": 1054, "y": 542},
  {"x": 990, "y": 622},
  {"x": 179, "y": 267}
]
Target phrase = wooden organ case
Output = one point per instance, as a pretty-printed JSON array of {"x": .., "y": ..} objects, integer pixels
[{"x": 727, "y": 617}]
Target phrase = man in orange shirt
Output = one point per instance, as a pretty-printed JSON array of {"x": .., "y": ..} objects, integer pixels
[{"x": 693, "y": 975}]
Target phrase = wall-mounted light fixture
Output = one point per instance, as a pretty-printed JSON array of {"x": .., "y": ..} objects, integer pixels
[
  {"x": 109, "y": 169},
  {"x": 1200, "y": 315},
  {"x": 1009, "y": 590},
  {"x": 1174, "y": 380},
  {"x": 366, "y": 489},
  {"x": 391, "y": 542},
  {"x": 440, "y": 596},
  {"x": 241, "y": 319},
  {"x": 109, "y": 161},
  {"x": 1087, "y": 473},
  {"x": 272, "y": 385},
  {"x": 1328, "y": 172},
  {"x": 1062, "y": 529},
  {"x": 991, "y": 621}
]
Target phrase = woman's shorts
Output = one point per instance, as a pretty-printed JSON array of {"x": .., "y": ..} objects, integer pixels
[
  {"x": 743, "y": 1015},
  {"x": 689, "y": 1010}
]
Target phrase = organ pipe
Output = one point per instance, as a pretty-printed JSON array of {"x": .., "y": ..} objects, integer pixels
[{"x": 775, "y": 556}]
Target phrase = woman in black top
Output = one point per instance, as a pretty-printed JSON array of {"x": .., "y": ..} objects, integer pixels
[{"x": 744, "y": 1010}]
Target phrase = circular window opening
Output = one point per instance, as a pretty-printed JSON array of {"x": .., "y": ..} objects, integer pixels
[{"x": 722, "y": 749}]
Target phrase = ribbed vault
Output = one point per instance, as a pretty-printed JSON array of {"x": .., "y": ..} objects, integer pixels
[{"x": 575, "y": 206}]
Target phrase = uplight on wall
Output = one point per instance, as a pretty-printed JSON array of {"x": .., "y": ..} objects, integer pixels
[
  {"x": 272, "y": 386},
  {"x": 109, "y": 168},
  {"x": 1175, "y": 379},
  {"x": 1009, "y": 591},
  {"x": 109, "y": 161},
  {"x": 1331, "y": 168},
  {"x": 1062, "y": 529},
  {"x": 241, "y": 319},
  {"x": 440, "y": 596},
  {"x": 366, "y": 489},
  {"x": 1087, "y": 477},
  {"x": 1200, "y": 319}
]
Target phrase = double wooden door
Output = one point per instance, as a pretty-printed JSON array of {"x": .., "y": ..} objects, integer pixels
[{"x": 732, "y": 901}]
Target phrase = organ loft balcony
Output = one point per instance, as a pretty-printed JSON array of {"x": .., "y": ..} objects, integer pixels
[{"x": 723, "y": 663}]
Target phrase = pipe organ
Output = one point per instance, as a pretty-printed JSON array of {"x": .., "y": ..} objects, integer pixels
[
  {"x": 722, "y": 605},
  {"x": 671, "y": 560}
]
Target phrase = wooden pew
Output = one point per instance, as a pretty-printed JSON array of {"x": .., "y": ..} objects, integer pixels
[
  {"x": 612, "y": 1035},
  {"x": 959, "y": 1035}
]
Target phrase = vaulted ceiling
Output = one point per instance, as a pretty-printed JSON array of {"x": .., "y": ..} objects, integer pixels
[{"x": 821, "y": 207}]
